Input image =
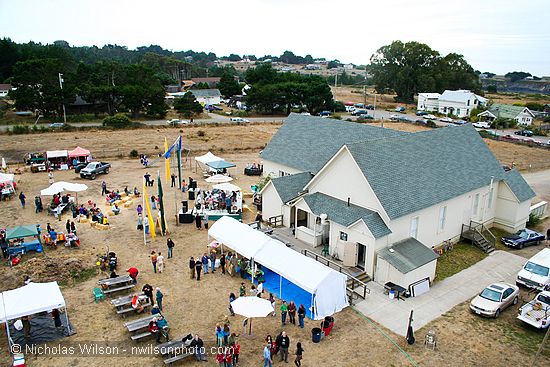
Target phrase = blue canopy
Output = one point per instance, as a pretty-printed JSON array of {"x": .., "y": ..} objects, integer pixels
[
  {"x": 21, "y": 231},
  {"x": 220, "y": 164}
]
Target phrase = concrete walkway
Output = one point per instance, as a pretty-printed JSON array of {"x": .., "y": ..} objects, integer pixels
[{"x": 443, "y": 296}]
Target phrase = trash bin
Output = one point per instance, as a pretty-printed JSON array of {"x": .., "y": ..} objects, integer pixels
[
  {"x": 391, "y": 294},
  {"x": 316, "y": 335}
]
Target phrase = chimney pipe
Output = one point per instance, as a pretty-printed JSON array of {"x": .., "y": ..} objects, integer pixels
[{"x": 348, "y": 201}]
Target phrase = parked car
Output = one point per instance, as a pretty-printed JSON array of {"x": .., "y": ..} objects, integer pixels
[
  {"x": 366, "y": 116},
  {"x": 537, "y": 312},
  {"x": 421, "y": 113},
  {"x": 324, "y": 113},
  {"x": 79, "y": 167},
  {"x": 394, "y": 117},
  {"x": 430, "y": 117},
  {"x": 446, "y": 119},
  {"x": 494, "y": 299},
  {"x": 211, "y": 107},
  {"x": 460, "y": 122},
  {"x": 491, "y": 132},
  {"x": 524, "y": 133},
  {"x": 359, "y": 105},
  {"x": 95, "y": 168},
  {"x": 238, "y": 119},
  {"x": 536, "y": 271},
  {"x": 369, "y": 107},
  {"x": 525, "y": 237},
  {"x": 305, "y": 114},
  {"x": 421, "y": 121},
  {"x": 481, "y": 125},
  {"x": 400, "y": 109},
  {"x": 56, "y": 125},
  {"x": 350, "y": 108},
  {"x": 359, "y": 112},
  {"x": 175, "y": 122}
]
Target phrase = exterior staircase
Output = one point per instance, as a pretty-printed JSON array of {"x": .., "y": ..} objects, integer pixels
[{"x": 479, "y": 235}]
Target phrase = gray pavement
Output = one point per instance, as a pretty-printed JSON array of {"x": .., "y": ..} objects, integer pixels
[{"x": 443, "y": 296}]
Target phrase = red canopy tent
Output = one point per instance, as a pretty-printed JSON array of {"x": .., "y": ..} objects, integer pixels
[{"x": 80, "y": 154}]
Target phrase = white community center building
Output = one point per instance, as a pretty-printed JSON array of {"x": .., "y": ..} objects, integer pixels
[
  {"x": 383, "y": 200},
  {"x": 459, "y": 103}
]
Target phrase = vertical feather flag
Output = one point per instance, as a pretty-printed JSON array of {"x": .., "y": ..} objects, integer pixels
[
  {"x": 167, "y": 160},
  {"x": 161, "y": 207},
  {"x": 148, "y": 210},
  {"x": 179, "y": 162}
]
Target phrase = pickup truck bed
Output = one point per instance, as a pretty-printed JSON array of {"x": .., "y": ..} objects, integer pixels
[{"x": 537, "y": 312}]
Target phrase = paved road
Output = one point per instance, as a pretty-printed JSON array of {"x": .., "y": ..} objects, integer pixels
[
  {"x": 443, "y": 296},
  {"x": 540, "y": 182}
]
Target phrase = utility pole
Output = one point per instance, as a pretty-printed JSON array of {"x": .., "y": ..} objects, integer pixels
[
  {"x": 336, "y": 80},
  {"x": 365, "y": 95},
  {"x": 61, "y": 86},
  {"x": 374, "y": 108},
  {"x": 541, "y": 347}
]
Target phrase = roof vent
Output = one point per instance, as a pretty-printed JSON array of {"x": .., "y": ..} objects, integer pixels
[
  {"x": 348, "y": 201},
  {"x": 391, "y": 250}
]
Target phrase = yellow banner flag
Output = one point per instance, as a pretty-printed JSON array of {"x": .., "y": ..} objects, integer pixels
[
  {"x": 148, "y": 211},
  {"x": 167, "y": 160}
]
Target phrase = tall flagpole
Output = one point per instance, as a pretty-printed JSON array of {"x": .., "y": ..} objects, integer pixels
[
  {"x": 179, "y": 161},
  {"x": 176, "y": 202},
  {"x": 143, "y": 211}
]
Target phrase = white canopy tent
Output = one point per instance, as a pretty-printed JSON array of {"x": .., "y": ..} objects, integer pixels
[
  {"x": 61, "y": 186},
  {"x": 57, "y": 154},
  {"x": 326, "y": 286},
  {"x": 7, "y": 178},
  {"x": 227, "y": 187},
  {"x": 207, "y": 158},
  {"x": 31, "y": 299},
  {"x": 216, "y": 179}
]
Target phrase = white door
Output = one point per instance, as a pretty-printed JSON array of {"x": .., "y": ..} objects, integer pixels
[{"x": 414, "y": 227}]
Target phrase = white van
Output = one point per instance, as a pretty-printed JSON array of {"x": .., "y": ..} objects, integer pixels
[{"x": 536, "y": 271}]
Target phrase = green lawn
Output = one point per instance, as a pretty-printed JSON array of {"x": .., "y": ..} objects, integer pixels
[{"x": 462, "y": 256}]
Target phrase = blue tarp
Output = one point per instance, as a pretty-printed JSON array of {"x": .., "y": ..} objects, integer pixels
[
  {"x": 290, "y": 291},
  {"x": 220, "y": 165}
]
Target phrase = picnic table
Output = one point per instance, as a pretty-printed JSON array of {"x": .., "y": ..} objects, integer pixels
[
  {"x": 136, "y": 327},
  {"x": 174, "y": 350},
  {"x": 123, "y": 305},
  {"x": 25, "y": 247},
  {"x": 111, "y": 285}
]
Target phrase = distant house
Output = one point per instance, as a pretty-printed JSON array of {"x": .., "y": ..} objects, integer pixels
[
  {"x": 382, "y": 199},
  {"x": 428, "y": 102},
  {"x": 4, "y": 90},
  {"x": 172, "y": 88},
  {"x": 207, "y": 96},
  {"x": 212, "y": 82},
  {"x": 312, "y": 67},
  {"x": 459, "y": 103},
  {"x": 522, "y": 115}
]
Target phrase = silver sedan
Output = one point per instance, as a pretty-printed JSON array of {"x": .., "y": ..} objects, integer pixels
[{"x": 494, "y": 299}]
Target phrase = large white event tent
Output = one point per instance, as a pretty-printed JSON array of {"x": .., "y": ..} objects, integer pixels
[
  {"x": 326, "y": 286},
  {"x": 31, "y": 299}
]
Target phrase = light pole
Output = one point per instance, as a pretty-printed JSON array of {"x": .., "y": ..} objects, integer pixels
[{"x": 61, "y": 86}]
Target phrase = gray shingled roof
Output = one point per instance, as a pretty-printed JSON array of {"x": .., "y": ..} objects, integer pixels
[
  {"x": 506, "y": 111},
  {"x": 204, "y": 93},
  {"x": 308, "y": 142},
  {"x": 338, "y": 211},
  {"x": 289, "y": 187},
  {"x": 407, "y": 255},
  {"x": 416, "y": 171},
  {"x": 519, "y": 186}
]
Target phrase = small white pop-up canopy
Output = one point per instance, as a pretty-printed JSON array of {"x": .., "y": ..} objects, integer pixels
[
  {"x": 31, "y": 299},
  {"x": 57, "y": 154},
  {"x": 218, "y": 179},
  {"x": 326, "y": 286},
  {"x": 207, "y": 158},
  {"x": 7, "y": 178},
  {"x": 61, "y": 186},
  {"x": 227, "y": 187}
]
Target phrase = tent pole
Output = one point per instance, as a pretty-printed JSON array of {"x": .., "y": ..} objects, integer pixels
[
  {"x": 8, "y": 333},
  {"x": 252, "y": 268},
  {"x": 312, "y": 308}
]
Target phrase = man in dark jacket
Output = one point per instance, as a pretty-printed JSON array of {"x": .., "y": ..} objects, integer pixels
[
  {"x": 198, "y": 269},
  {"x": 285, "y": 344},
  {"x": 198, "y": 346},
  {"x": 222, "y": 263},
  {"x": 191, "y": 267},
  {"x": 148, "y": 291}
]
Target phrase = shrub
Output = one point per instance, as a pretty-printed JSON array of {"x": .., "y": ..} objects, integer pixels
[
  {"x": 201, "y": 133},
  {"x": 492, "y": 88},
  {"x": 117, "y": 121},
  {"x": 533, "y": 221},
  {"x": 431, "y": 123},
  {"x": 134, "y": 153},
  {"x": 20, "y": 129}
]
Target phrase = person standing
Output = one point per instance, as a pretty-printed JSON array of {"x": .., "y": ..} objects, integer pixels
[
  {"x": 103, "y": 188},
  {"x": 205, "y": 219},
  {"x": 56, "y": 318},
  {"x": 173, "y": 180},
  {"x": 154, "y": 258},
  {"x": 242, "y": 290},
  {"x": 222, "y": 263},
  {"x": 198, "y": 348},
  {"x": 139, "y": 209},
  {"x": 140, "y": 223},
  {"x": 236, "y": 351},
  {"x": 284, "y": 310},
  {"x": 232, "y": 297},
  {"x": 285, "y": 344},
  {"x": 213, "y": 261},
  {"x": 192, "y": 267},
  {"x": 272, "y": 301},
  {"x": 268, "y": 362},
  {"x": 292, "y": 312},
  {"x": 50, "y": 177},
  {"x": 133, "y": 274},
  {"x": 68, "y": 226},
  {"x": 159, "y": 296},
  {"x": 299, "y": 353},
  {"x": 548, "y": 236},
  {"x": 198, "y": 269},
  {"x": 170, "y": 245},
  {"x": 148, "y": 291},
  {"x": 73, "y": 228},
  {"x": 146, "y": 224},
  {"x": 204, "y": 261},
  {"x": 153, "y": 202},
  {"x": 198, "y": 220},
  {"x": 301, "y": 315},
  {"x": 147, "y": 177},
  {"x": 22, "y": 198},
  {"x": 160, "y": 262}
]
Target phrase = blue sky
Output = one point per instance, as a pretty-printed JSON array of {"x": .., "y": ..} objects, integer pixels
[{"x": 496, "y": 36}]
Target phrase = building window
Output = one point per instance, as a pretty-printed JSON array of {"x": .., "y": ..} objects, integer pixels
[
  {"x": 343, "y": 236},
  {"x": 467, "y": 104},
  {"x": 475, "y": 101},
  {"x": 490, "y": 202},
  {"x": 442, "y": 217},
  {"x": 476, "y": 204},
  {"x": 282, "y": 173},
  {"x": 413, "y": 232},
  {"x": 458, "y": 111}
]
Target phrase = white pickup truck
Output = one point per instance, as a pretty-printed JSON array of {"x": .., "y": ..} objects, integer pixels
[{"x": 537, "y": 312}]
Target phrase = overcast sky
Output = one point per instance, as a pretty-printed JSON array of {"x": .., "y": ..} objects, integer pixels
[{"x": 496, "y": 36}]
